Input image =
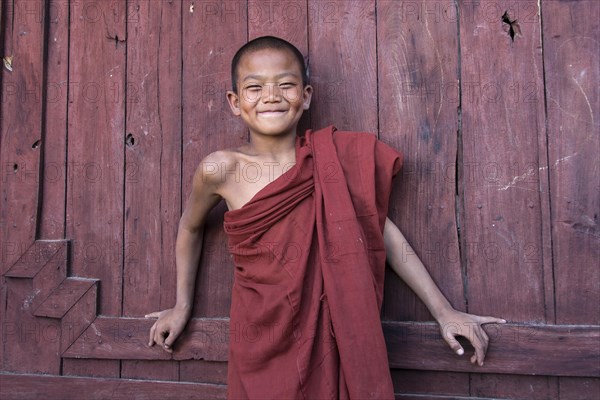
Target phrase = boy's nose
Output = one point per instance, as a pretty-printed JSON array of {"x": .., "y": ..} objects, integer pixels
[{"x": 271, "y": 93}]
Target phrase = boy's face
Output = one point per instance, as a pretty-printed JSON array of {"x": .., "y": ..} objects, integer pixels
[{"x": 270, "y": 96}]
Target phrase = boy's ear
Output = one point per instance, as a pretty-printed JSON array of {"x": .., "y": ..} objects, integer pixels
[
  {"x": 307, "y": 94},
  {"x": 234, "y": 103}
]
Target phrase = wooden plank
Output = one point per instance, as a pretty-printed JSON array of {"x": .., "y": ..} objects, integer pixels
[
  {"x": 403, "y": 396},
  {"x": 343, "y": 65},
  {"x": 287, "y": 20},
  {"x": 430, "y": 382},
  {"x": 572, "y": 75},
  {"x": 60, "y": 301},
  {"x": 561, "y": 350},
  {"x": 54, "y": 143},
  {"x": 418, "y": 96},
  {"x": 88, "y": 368},
  {"x": 579, "y": 388},
  {"x": 53, "y": 273},
  {"x": 153, "y": 156},
  {"x": 502, "y": 117},
  {"x": 22, "y": 387},
  {"x": 35, "y": 257},
  {"x": 21, "y": 127},
  {"x": 24, "y": 334},
  {"x": 96, "y": 141},
  {"x": 153, "y": 160},
  {"x": 203, "y": 371},
  {"x": 152, "y": 370},
  {"x": 208, "y": 125},
  {"x": 127, "y": 338},
  {"x": 78, "y": 318},
  {"x": 514, "y": 387}
]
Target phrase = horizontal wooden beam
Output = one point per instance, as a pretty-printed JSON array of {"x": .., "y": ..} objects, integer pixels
[
  {"x": 127, "y": 339},
  {"x": 26, "y": 387},
  {"x": 558, "y": 350}
]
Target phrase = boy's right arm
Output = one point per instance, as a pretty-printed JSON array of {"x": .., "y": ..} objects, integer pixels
[{"x": 202, "y": 199}]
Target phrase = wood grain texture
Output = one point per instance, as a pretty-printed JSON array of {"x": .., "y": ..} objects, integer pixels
[
  {"x": 24, "y": 387},
  {"x": 96, "y": 147},
  {"x": 565, "y": 350},
  {"x": 53, "y": 174},
  {"x": 430, "y": 382},
  {"x": 342, "y": 43},
  {"x": 559, "y": 350},
  {"x": 418, "y": 99},
  {"x": 572, "y": 73},
  {"x": 21, "y": 127},
  {"x": 127, "y": 338},
  {"x": 152, "y": 166},
  {"x": 96, "y": 141},
  {"x": 502, "y": 117},
  {"x": 203, "y": 371},
  {"x": 209, "y": 125},
  {"x": 153, "y": 156}
]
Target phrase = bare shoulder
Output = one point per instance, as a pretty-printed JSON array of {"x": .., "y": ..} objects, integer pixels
[{"x": 212, "y": 167}]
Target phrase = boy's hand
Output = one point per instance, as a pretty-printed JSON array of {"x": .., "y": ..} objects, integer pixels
[
  {"x": 168, "y": 327},
  {"x": 456, "y": 323}
]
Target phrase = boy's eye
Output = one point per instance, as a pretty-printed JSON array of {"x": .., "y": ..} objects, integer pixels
[
  {"x": 253, "y": 87},
  {"x": 287, "y": 85}
]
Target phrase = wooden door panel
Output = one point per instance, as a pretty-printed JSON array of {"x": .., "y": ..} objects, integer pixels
[{"x": 105, "y": 116}]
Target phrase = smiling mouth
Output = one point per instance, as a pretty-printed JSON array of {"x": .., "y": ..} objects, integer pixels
[{"x": 272, "y": 113}]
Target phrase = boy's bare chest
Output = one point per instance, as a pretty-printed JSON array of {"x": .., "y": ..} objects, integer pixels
[{"x": 242, "y": 181}]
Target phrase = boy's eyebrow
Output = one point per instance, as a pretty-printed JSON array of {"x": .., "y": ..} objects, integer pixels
[{"x": 278, "y": 76}]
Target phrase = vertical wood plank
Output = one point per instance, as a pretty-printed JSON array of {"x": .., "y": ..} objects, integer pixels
[
  {"x": 152, "y": 167},
  {"x": 20, "y": 158},
  {"x": 342, "y": 44},
  {"x": 96, "y": 141},
  {"x": 21, "y": 128},
  {"x": 502, "y": 118},
  {"x": 153, "y": 155},
  {"x": 513, "y": 387},
  {"x": 150, "y": 370},
  {"x": 54, "y": 147},
  {"x": 418, "y": 99},
  {"x": 430, "y": 382},
  {"x": 579, "y": 388},
  {"x": 285, "y": 20},
  {"x": 571, "y": 46},
  {"x": 212, "y": 33},
  {"x": 204, "y": 371},
  {"x": 26, "y": 334}
]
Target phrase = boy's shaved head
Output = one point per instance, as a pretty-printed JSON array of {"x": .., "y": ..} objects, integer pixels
[{"x": 266, "y": 42}]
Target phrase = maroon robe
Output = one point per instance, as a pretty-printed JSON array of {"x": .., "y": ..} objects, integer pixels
[{"x": 309, "y": 269}]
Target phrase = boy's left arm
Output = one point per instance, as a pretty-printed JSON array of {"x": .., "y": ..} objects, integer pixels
[{"x": 409, "y": 267}]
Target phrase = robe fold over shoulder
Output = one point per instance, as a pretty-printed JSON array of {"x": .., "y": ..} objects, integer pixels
[{"x": 309, "y": 270}]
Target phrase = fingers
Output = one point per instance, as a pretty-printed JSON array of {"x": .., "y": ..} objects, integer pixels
[
  {"x": 155, "y": 314},
  {"x": 480, "y": 341},
  {"x": 169, "y": 341},
  {"x": 450, "y": 338},
  {"x": 151, "y": 340},
  {"x": 491, "y": 320},
  {"x": 160, "y": 336}
]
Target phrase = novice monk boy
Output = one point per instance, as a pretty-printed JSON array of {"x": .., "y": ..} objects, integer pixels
[{"x": 309, "y": 240}]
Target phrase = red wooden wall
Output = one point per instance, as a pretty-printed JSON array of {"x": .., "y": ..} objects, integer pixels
[{"x": 108, "y": 106}]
